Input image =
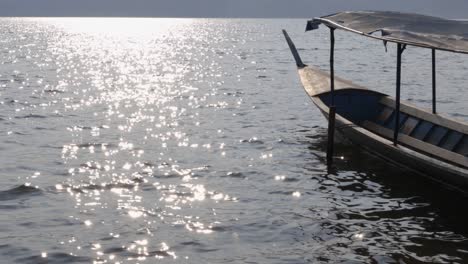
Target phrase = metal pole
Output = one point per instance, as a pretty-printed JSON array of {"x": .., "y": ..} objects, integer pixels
[
  {"x": 398, "y": 85},
  {"x": 332, "y": 66},
  {"x": 332, "y": 108},
  {"x": 433, "y": 81}
]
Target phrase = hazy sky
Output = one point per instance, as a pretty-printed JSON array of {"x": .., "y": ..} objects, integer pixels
[{"x": 224, "y": 8}]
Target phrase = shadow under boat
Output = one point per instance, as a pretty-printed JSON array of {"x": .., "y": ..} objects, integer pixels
[{"x": 393, "y": 182}]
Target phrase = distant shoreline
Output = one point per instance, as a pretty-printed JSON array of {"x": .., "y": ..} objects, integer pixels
[{"x": 155, "y": 17}]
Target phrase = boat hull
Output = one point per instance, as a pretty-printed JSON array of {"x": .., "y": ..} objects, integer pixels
[
  {"x": 400, "y": 155},
  {"x": 429, "y": 144}
]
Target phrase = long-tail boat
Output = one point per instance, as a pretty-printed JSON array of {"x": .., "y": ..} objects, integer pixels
[{"x": 421, "y": 140}]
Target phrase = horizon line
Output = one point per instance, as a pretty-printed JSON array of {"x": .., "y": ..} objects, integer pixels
[{"x": 180, "y": 17}]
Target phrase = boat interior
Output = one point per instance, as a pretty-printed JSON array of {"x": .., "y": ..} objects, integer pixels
[{"x": 421, "y": 130}]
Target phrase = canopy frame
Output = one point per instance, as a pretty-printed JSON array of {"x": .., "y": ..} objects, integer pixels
[
  {"x": 400, "y": 49},
  {"x": 315, "y": 22},
  {"x": 332, "y": 107},
  {"x": 401, "y": 46},
  {"x": 434, "y": 84}
]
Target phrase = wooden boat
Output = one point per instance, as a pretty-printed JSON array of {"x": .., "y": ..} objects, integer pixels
[{"x": 421, "y": 140}]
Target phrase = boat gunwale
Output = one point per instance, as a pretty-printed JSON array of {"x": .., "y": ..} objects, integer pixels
[{"x": 421, "y": 113}]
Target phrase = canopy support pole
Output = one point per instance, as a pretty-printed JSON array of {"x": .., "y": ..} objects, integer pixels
[
  {"x": 434, "y": 81},
  {"x": 400, "y": 49},
  {"x": 332, "y": 108}
]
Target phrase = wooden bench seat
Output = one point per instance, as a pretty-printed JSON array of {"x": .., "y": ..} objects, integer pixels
[
  {"x": 443, "y": 121},
  {"x": 418, "y": 144}
]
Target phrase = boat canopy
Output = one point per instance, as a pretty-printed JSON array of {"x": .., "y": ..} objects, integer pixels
[{"x": 411, "y": 29}]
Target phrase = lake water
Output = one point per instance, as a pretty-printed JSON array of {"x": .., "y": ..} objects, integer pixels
[{"x": 192, "y": 141}]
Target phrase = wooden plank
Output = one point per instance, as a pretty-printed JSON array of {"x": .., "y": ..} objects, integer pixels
[
  {"x": 452, "y": 140},
  {"x": 384, "y": 115},
  {"x": 409, "y": 125},
  {"x": 462, "y": 146},
  {"x": 440, "y": 120},
  {"x": 422, "y": 130},
  {"x": 437, "y": 134},
  {"x": 392, "y": 120},
  {"x": 430, "y": 132},
  {"x": 418, "y": 144},
  {"x": 316, "y": 81}
]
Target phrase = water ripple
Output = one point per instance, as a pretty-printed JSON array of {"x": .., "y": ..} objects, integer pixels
[
  {"x": 20, "y": 192},
  {"x": 190, "y": 140}
]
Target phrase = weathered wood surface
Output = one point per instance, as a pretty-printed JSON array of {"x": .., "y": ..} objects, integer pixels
[
  {"x": 409, "y": 125},
  {"x": 420, "y": 113},
  {"x": 418, "y": 144},
  {"x": 316, "y": 81}
]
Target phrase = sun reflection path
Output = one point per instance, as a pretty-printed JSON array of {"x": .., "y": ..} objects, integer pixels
[{"x": 132, "y": 87}]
